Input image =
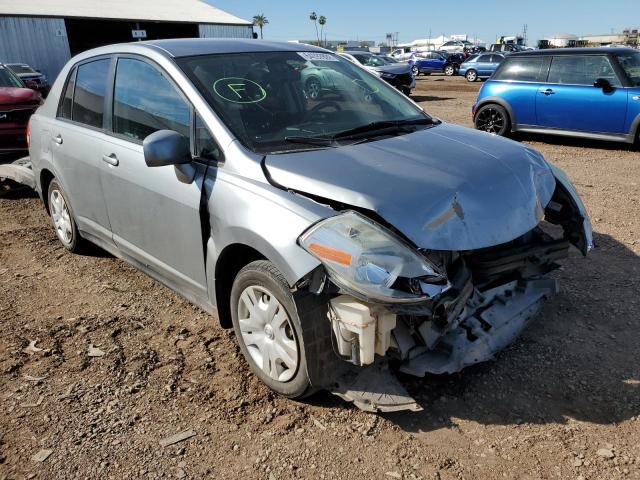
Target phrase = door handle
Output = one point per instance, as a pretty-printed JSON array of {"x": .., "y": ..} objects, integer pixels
[
  {"x": 58, "y": 139},
  {"x": 111, "y": 159},
  {"x": 548, "y": 92}
]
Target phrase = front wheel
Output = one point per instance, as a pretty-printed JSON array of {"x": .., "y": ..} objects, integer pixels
[
  {"x": 471, "y": 76},
  {"x": 268, "y": 329},
  {"x": 415, "y": 70},
  {"x": 493, "y": 119},
  {"x": 449, "y": 70},
  {"x": 406, "y": 91}
]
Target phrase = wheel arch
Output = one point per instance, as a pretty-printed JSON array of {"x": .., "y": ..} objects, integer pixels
[
  {"x": 46, "y": 177},
  {"x": 504, "y": 104}
]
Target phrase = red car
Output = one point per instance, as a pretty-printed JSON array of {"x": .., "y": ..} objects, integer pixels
[{"x": 17, "y": 103}]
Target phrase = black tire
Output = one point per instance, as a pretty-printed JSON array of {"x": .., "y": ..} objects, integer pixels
[
  {"x": 406, "y": 91},
  {"x": 449, "y": 70},
  {"x": 415, "y": 70},
  {"x": 493, "y": 118},
  {"x": 471, "y": 75},
  {"x": 265, "y": 275},
  {"x": 75, "y": 244}
]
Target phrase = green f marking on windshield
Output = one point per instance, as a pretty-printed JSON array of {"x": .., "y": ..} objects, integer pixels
[{"x": 239, "y": 90}]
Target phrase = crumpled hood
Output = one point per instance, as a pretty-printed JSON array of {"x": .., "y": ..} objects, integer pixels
[
  {"x": 444, "y": 188},
  {"x": 16, "y": 95}
]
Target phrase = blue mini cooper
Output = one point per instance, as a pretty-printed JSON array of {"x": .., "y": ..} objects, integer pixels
[{"x": 585, "y": 92}]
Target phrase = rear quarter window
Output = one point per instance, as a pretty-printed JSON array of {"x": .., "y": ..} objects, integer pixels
[{"x": 523, "y": 69}]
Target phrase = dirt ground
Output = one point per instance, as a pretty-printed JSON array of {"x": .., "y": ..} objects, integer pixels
[{"x": 563, "y": 402}]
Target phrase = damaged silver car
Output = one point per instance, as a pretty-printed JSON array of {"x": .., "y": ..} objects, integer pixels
[{"x": 343, "y": 233}]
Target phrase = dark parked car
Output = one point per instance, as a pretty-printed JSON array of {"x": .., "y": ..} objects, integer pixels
[
  {"x": 17, "y": 103},
  {"x": 399, "y": 75},
  {"x": 32, "y": 77},
  {"x": 437, "y": 62},
  {"x": 583, "y": 92}
]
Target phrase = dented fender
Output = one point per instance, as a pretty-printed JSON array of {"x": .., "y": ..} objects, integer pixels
[{"x": 585, "y": 241}]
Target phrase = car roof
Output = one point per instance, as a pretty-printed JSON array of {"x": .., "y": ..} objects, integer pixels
[
  {"x": 573, "y": 51},
  {"x": 185, "y": 47}
]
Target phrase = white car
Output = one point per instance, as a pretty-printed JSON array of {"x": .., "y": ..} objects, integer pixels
[
  {"x": 454, "y": 46},
  {"x": 402, "y": 54}
]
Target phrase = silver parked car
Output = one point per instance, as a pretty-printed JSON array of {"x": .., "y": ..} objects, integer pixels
[{"x": 342, "y": 237}]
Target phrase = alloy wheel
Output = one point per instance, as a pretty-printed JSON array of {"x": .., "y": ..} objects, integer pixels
[
  {"x": 414, "y": 70},
  {"x": 61, "y": 217},
  {"x": 449, "y": 71},
  {"x": 490, "y": 120},
  {"x": 267, "y": 333},
  {"x": 472, "y": 76},
  {"x": 313, "y": 89}
]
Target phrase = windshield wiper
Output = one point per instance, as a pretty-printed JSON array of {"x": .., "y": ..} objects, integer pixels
[
  {"x": 319, "y": 141},
  {"x": 384, "y": 125}
]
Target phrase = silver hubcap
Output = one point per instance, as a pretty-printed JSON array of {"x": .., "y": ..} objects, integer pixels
[
  {"x": 471, "y": 77},
  {"x": 61, "y": 217},
  {"x": 267, "y": 333}
]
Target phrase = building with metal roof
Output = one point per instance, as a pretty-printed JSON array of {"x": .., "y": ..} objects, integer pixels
[{"x": 46, "y": 34}]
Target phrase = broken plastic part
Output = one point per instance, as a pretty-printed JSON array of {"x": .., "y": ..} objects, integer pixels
[
  {"x": 375, "y": 389},
  {"x": 359, "y": 330}
]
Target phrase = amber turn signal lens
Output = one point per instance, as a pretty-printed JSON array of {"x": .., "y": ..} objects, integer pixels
[{"x": 332, "y": 254}]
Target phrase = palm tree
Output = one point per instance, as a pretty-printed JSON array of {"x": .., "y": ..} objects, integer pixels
[
  {"x": 322, "y": 20},
  {"x": 260, "y": 21},
  {"x": 314, "y": 18}
]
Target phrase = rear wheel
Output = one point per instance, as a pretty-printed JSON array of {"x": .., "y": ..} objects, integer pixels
[
  {"x": 415, "y": 70},
  {"x": 449, "y": 70},
  {"x": 313, "y": 88},
  {"x": 62, "y": 217},
  {"x": 493, "y": 119},
  {"x": 471, "y": 75},
  {"x": 268, "y": 329},
  {"x": 406, "y": 91}
]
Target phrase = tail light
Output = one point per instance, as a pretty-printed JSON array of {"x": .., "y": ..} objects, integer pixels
[{"x": 29, "y": 134}]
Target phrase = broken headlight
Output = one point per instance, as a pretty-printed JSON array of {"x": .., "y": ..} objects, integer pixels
[{"x": 366, "y": 260}]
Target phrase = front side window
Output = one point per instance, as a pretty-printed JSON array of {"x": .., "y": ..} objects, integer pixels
[
  {"x": 145, "y": 101},
  {"x": 581, "y": 70},
  {"x": 89, "y": 92},
  {"x": 484, "y": 59},
  {"x": 496, "y": 58},
  {"x": 522, "y": 69},
  {"x": 630, "y": 62},
  {"x": 266, "y": 98}
]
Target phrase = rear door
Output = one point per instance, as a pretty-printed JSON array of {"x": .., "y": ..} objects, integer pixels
[
  {"x": 569, "y": 101},
  {"x": 155, "y": 215},
  {"x": 76, "y": 136}
]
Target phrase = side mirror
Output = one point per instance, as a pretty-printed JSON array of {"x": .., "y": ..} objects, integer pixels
[
  {"x": 604, "y": 84},
  {"x": 166, "y": 147}
]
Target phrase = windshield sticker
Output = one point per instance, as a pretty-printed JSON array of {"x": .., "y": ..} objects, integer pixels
[
  {"x": 239, "y": 90},
  {"x": 318, "y": 57}
]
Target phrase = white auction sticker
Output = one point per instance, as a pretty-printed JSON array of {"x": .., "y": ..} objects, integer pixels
[{"x": 318, "y": 57}]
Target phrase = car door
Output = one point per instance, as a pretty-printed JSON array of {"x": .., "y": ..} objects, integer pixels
[
  {"x": 154, "y": 212},
  {"x": 76, "y": 135},
  {"x": 483, "y": 65},
  {"x": 570, "y": 101}
]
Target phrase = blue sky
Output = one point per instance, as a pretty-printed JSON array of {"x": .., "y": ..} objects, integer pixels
[{"x": 486, "y": 19}]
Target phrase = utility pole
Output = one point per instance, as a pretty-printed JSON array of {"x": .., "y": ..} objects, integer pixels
[{"x": 524, "y": 34}]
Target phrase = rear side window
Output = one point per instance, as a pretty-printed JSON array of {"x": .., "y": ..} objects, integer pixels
[
  {"x": 67, "y": 98},
  {"x": 89, "y": 92},
  {"x": 522, "y": 69},
  {"x": 581, "y": 70},
  {"x": 145, "y": 101}
]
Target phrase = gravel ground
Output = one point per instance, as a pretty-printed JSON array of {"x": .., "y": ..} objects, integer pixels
[{"x": 99, "y": 363}]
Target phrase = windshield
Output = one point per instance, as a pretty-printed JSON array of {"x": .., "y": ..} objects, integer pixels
[
  {"x": 8, "y": 79},
  {"x": 268, "y": 98},
  {"x": 19, "y": 68},
  {"x": 631, "y": 64}
]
